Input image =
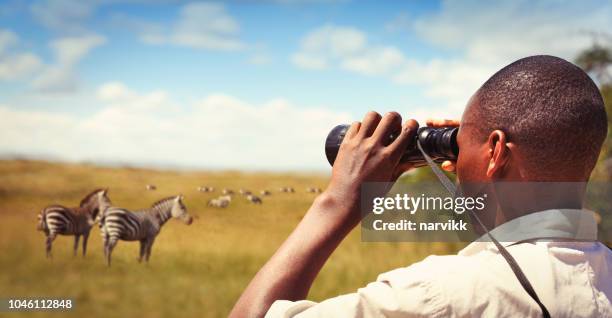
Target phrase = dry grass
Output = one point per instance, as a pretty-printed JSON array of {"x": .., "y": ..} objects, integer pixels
[{"x": 196, "y": 270}]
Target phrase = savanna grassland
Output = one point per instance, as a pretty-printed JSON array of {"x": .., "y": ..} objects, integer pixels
[{"x": 197, "y": 270}]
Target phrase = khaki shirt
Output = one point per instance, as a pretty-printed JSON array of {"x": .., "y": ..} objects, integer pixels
[{"x": 572, "y": 278}]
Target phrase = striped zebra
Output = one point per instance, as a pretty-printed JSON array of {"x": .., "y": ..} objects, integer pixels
[
  {"x": 144, "y": 225},
  {"x": 57, "y": 219}
]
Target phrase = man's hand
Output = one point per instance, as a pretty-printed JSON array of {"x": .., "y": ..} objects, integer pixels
[
  {"x": 368, "y": 155},
  {"x": 446, "y": 165}
]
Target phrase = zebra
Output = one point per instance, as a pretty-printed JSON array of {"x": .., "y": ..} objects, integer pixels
[
  {"x": 254, "y": 199},
  {"x": 144, "y": 225},
  {"x": 57, "y": 219}
]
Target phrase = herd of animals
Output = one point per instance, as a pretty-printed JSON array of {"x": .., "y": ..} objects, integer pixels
[{"x": 116, "y": 223}]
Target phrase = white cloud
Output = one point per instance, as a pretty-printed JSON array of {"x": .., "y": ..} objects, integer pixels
[
  {"x": 375, "y": 61},
  {"x": 309, "y": 61},
  {"x": 71, "y": 50},
  {"x": 334, "y": 40},
  {"x": 200, "y": 25},
  {"x": 8, "y": 38},
  {"x": 449, "y": 82},
  {"x": 15, "y": 65},
  {"x": 506, "y": 30},
  {"x": 66, "y": 16},
  {"x": 345, "y": 46},
  {"x": 117, "y": 95},
  {"x": 113, "y": 91},
  {"x": 217, "y": 131},
  {"x": 61, "y": 77}
]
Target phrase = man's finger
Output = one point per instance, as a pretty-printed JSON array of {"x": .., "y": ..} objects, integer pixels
[
  {"x": 409, "y": 129},
  {"x": 391, "y": 123},
  {"x": 448, "y": 166},
  {"x": 369, "y": 123},
  {"x": 353, "y": 130},
  {"x": 442, "y": 122}
]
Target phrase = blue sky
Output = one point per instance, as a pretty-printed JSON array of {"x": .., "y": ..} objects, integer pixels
[{"x": 195, "y": 84}]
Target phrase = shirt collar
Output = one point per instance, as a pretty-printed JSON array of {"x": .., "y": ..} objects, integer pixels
[{"x": 549, "y": 224}]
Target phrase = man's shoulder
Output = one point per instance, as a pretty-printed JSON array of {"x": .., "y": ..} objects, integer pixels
[
  {"x": 437, "y": 268},
  {"x": 461, "y": 284}
]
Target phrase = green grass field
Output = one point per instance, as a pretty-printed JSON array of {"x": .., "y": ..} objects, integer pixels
[{"x": 198, "y": 270}]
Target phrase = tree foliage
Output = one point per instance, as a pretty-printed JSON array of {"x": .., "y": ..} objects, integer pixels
[{"x": 597, "y": 61}]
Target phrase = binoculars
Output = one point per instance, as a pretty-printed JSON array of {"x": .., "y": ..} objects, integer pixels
[{"x": 439, "y": 143}]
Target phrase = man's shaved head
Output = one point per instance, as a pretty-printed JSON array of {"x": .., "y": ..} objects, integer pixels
[{"x": 550, "y": 109}]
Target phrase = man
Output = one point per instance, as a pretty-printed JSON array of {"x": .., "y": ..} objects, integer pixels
[{"x": 539, "y": 119}]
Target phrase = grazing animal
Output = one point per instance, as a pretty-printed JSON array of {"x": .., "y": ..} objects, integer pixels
[
  {"x": 227, "y": 191},
  {"x": 206, "y": 189},
  {"x": 244, "y": 192},
  {"x": 57, "y": 219},
  {"x": 151, "y": 187},
  {"x": 265, "y": 192},
  {"x": 254, "y": 199},
  {"x": 287, "y": 189},
  {"x": 220, "y": 202},
  {"x": 314, "y": 190},
  {"x": 144, "y": 225}
]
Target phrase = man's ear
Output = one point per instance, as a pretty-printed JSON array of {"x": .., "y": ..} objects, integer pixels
[{"x": 499, "y": 153}]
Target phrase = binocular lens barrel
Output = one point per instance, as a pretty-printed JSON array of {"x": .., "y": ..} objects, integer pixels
[{"x": 439, "y": 143}]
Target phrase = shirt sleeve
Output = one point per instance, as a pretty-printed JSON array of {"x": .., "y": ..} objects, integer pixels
[{"x": 381, "y": 298}]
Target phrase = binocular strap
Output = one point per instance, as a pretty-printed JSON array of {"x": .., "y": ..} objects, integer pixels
[{"x": 518, "y": 272}]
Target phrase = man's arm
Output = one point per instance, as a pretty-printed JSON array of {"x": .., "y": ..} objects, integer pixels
[
  {"x": 365, "y": 156},
  {"x": 292, "y": 269}
]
